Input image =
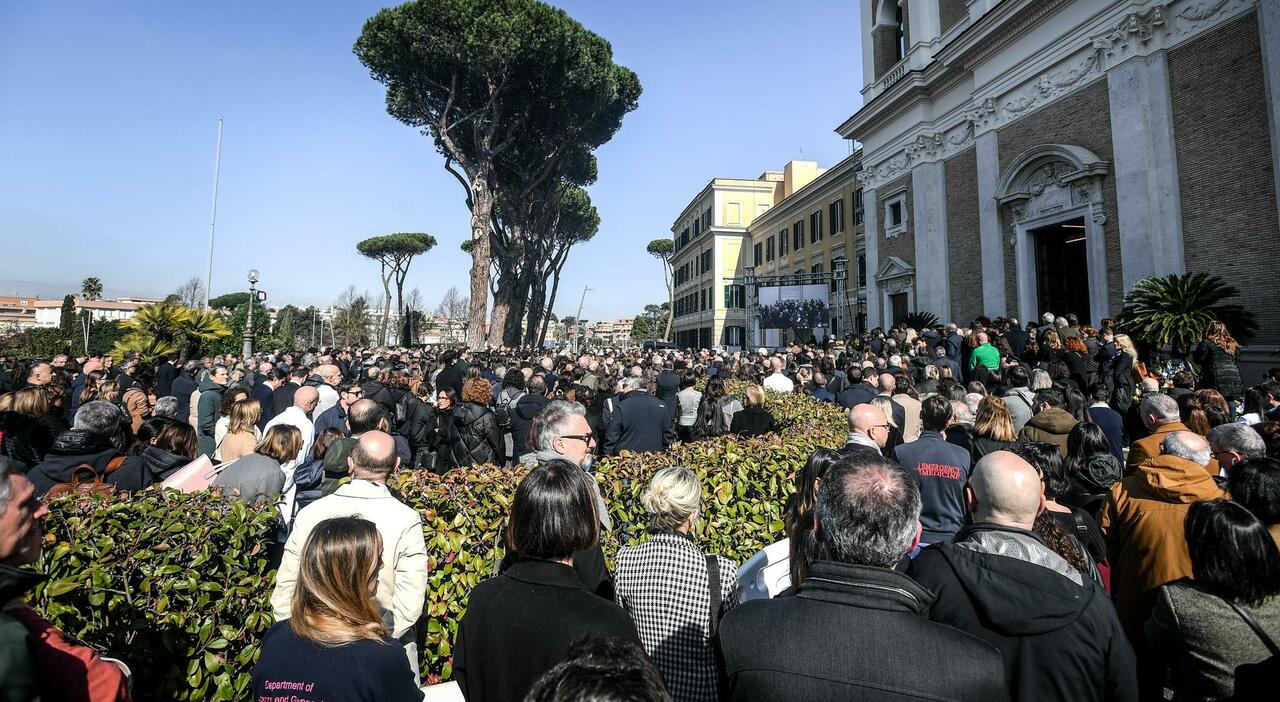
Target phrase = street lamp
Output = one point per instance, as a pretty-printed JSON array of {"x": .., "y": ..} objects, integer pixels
[{"x": 247, "y": 351}]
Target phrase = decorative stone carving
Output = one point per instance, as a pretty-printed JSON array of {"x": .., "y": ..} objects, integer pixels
[
  {"x": 1052, "y": 85},
  {"x": 1136, "y": 26},
  {"x": 1052, "y": 178},
  {"x": 981, "y": 113}
]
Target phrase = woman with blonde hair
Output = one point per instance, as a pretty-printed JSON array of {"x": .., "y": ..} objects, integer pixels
[
  {"x": 261, "y": 475},
  {"x": 992, "y": 428},
  {"x": 108, "y": 391},
  {"x": 242, "y": 431},
  {"x": 675, "y": 592},
  {"x": 229, "y": 399},
  {"x": 752, "y": 420},
  {"x": 1216, "y": 355},
  {"x": 334, "y": 645},
  {"x": 32, "y": 401},
  {"x": 895, "y": 431},
  {"x": 92, "y": 387},
  {"x": 1051, "y": 347}
]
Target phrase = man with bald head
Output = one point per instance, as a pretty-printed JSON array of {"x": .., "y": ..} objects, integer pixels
[
  {"x": 1142, "y": 520},
  {"x": 778, "y": 381},
  {"x": 402, "y": 579},
  {"x": 298, "y": 415},
  {"x": 325, "y": 379},
  {"x": 997, "y": 580},
  {"x": 888, "y": 387},
  {"x": 868, "y": 430}
]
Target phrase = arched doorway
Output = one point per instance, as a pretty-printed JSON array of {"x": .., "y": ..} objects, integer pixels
[{"x": 1053, "y": 198}]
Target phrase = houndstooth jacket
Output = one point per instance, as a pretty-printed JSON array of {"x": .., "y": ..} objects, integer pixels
[{"x": 663, "y": 584}]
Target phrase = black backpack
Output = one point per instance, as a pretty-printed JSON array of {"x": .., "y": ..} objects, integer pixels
[
  {"x": 309, "y": 482},
  {"x": 502, "y": 407}
]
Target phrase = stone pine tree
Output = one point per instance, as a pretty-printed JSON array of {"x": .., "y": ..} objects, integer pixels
[
  {"x": 91, "y": 288},
  {"x": 662, "y": 249},
  {"x": 394, "y": 253},
  {"x": 484, "y": 79}
]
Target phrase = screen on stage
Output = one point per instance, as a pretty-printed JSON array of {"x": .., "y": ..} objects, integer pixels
[{"x": 794, "y": 307}]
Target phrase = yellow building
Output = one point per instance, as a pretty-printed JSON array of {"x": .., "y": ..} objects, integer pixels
[
  {"x": 817, "y": 223},
  {"x": 712, "y": 247}
]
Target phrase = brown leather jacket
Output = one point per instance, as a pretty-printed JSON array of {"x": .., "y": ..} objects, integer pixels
[{"x": 1142, "y": 521}]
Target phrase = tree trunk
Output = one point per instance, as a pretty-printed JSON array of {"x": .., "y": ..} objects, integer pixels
[
  {"x": 671, "y": 299},
  {"x": 481, "y": 213},
  {"x": 386, "y": 307}
]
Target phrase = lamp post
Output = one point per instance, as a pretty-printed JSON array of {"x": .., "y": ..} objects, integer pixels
[
  {"x": 578, "y": 325},
  {"x": 248, "y": 327}
]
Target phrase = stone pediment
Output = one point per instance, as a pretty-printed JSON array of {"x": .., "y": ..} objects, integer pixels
[{"x": 894, "y": 267}]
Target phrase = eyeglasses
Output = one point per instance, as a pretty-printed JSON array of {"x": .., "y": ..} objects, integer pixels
[{"x": 585, "y": 438}]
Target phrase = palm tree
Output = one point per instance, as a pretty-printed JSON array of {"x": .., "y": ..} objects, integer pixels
[
  {"x": 166, "y": 328},
  {"x": 91, "y": 288},
  {"x": 1175, "y": 310}
]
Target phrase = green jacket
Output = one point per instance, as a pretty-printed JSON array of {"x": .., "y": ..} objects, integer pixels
[
  {"x": 987, "y": 355},
  {"x": 207, "y": 414},
  {"x": 17, "y": 670}
]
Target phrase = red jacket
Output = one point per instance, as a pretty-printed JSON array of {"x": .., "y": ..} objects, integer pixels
[{"x": 67, "y": 669}]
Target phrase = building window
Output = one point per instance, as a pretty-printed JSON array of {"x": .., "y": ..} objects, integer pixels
[
  {"x": 857, "y": 207},
  {"x": 895, "y": 215},
  {"x": 782, "y": 243},
  {"x": 735, "y": 296},
  {"x": 900, "y": 36},
  {"x": 862, "y": 270},
  {"x": 836, "y": 212},
  {"x": 769, "y": 249},
  {"x": 815, "y": 227},
  {"x": 706, "y": 260},
  {"x": 759, "y": 259},
  {"x": 702, "y": 298},
  {"x": 735, "y": 213},
  {"x": 706, "y": 218},
  {"x": 697, "y": 227},
  {"x": 797, "y": 237}
]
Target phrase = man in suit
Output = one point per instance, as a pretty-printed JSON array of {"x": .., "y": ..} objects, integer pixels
[
  {"x": 264, "y": 392},
  {"x": 282, "y": 397},
  {"x": 1110, "y": 421},
  {"x": 888, "y": 384},
  {"x": 1017, "y": 338},
  {"x": 639, "y": 422},
  {"x": 942, "y": 360},
  {"x": 859, "y": 391},
  {"x": 165, "y": 375}
]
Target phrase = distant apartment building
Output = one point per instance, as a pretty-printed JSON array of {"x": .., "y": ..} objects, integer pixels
[
  {"x": 18, "y": 311},
  {"x": 49, "y": 312},
  {"x": 611, "y": 333},
  {"x": 712, "y": 248}
]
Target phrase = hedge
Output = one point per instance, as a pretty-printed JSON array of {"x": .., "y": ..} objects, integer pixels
[{"x": 178, "y": 585}]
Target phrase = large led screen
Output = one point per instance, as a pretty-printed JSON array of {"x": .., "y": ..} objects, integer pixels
[{"x": 794, "y": 307}]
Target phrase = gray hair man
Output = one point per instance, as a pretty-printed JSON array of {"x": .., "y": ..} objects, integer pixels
[
  {"x": 565, "y": 435},
  {"x": 402, "y": 578},
  {"x": 1035, "y": 606},
  {"x": 167, "y": 406},
  {"x": 1232, "y": 443},
  {"x": 1159, "y": 413},
  {"x": 1142, "y": 520},
  {"x": 823, "y": 643}
]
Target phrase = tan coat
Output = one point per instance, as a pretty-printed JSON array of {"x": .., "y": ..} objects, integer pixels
[
  {"x": 1146, "y": 448},
  {"x": 236, "y": 445},
  {"x": 1052, "y": 426},
  {"x": 136, "y": 404},
  {"x": 1142, "y": 520}
]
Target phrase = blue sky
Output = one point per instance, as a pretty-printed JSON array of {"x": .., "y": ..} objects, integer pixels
[{"x": 108, "y": 120}]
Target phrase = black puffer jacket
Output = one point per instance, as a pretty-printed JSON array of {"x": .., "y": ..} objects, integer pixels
[
  {"x": 1057, "y": 631},
  {"x": 477, "y": 439},
  {"x": 1091, "y": 482},
  {"x": 412, "y": 415},
  {"x": 24, "y": 440}
]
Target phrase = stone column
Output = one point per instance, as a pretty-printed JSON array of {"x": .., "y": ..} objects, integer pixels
[
  {"x": 928, "y": 206},
  {"x": 871, "y": 235},
  {"x": 1145, "y": 169},
  {"x": 1269, "y": 28},
  {"x": 987, "y": 150}
]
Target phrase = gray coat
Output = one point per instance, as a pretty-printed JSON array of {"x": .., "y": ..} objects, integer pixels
[
  {"x": 255, "y": 478},
  {"x": 1209, "y": 637}
]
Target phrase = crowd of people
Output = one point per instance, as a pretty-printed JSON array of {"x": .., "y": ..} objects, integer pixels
[{"x": 1025, "y": 513}]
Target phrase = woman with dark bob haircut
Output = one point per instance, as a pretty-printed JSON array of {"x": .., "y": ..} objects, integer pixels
[
  {"x": 1204, "y": 622},
  {"x": 520, "y": 624}
]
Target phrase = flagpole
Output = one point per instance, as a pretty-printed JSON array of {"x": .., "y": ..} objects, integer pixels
[{"x": 213, "y": 216}]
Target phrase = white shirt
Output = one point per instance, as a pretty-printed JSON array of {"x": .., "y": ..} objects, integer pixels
[
  {"x": 779, "y": 383},
  {"x": 293, "y": 416},
  {"x": 328, "y": 398}
]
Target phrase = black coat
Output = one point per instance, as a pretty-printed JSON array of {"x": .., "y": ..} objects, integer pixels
[
  {"x": 477, "y": 439},
  {"x": 413, "y": 426},
  {"x": 379, "y": 393},
  {"x": 519, "y": 625},
  {"x": 282, "y": 397},
  {"x": 165, "y": 375},
  {"x": 1218, "y": 369},
  {"x": 853, "y": 633},
  {"x": 1059, "y": 640},
  {"x": 526, "y": 408},
  {"x": 452, "y": 377},
  {"x": 1112, "y": 424},
  {"x": 639, "y": 423},
  {"x": 266, "y": 401},
  {"x": 74, "y": 448},
  {"x": 1017, "y": 339},
  {"x": 751, "y": 421},
  {"x": 854, "y": 395},
  {"x": 183, "y": 387}
]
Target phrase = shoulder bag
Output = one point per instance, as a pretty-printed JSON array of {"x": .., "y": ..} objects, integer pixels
[{"x": 1256, "y": 681}]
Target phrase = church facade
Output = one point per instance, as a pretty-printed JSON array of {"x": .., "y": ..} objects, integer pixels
[{"x": 1023, "y": 156}]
